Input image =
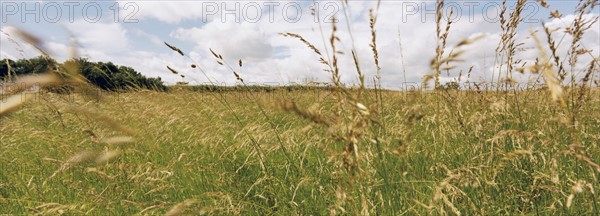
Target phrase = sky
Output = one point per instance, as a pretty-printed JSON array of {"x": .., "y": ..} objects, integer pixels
[{"x": 132, "y": 33}]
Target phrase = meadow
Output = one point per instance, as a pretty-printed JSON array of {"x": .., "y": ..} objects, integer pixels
[
  {"x": 435, "y": 150},
  {"x": 474, "y": 154}
]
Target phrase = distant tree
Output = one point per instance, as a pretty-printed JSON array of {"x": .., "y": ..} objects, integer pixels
[
  {"x": 109, "y": 76},
  {"x": 105, "y": 75},
  {"x": 451, "y": 86},
  {"x": 5, "y": 64},
  {"x": 37, "y": 65}
]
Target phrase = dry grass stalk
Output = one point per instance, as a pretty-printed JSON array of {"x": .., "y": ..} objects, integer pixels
[
  {"x": 550, "y": 76},
  {"x": 104, "y": 119},
  {"x": 509, "y": 27},
  {"x": 441, "y": 40},
  {"x": 106, "y": 156},
  {"x": 506, "y": 133},
  {"x": 351, "y": 123},
  {"x": 573, "y": 152},
  {"x": 578, "y": 188},
  {"x": 180, "y": 207},
  {"x": 584, "y": 86},
  {"x": 543, "y": 3},
  {"x": 453, "y": 56},
  {"x": 13, "y": 102},
  {"x": 577, "y": 29},
  {"x": 16, "y": 100},
  {"x": 118, "y": 140},
  {"x": 335, "y": 69},
  {"x": 373, "y": 45},
  {"x": 554, "y": 49},
  {"x": 174, "y": 49},
  {"x": 172, "y": 70},
  {"x": 57, "y": 209},
  {"x": 18, "y": 46},
  {"x": 448, "y": 190},
  {"x": 31, "y": 39},
  {"x": 9, "y": 70},
  {"x": 80, "y": 157},
  {"x": 313, "y": 116},
  {"x": 309, "y": 44}
]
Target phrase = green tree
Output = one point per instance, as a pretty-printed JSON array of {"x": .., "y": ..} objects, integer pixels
[
  {"x": 105, "y": 75},
  {"x": 37, "y": 65},
  {"x": 451, "y": 86}
]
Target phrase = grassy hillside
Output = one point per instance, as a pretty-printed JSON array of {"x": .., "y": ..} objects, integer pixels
[
  {"x": 451, "y": 151},
  {"x": 255, "y": 150}
]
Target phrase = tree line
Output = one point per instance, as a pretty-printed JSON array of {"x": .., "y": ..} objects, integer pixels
[{"x": 104, "y": 75}]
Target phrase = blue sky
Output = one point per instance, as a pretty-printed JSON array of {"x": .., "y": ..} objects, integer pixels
[{"x": 134, "y": 37}]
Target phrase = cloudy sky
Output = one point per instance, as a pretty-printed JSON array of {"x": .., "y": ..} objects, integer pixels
[{"x": 132, "y": 33}]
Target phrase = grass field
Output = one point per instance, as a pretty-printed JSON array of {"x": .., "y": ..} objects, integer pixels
[
  {"x": 478, "y": 154},
  {"x": 307, "y": 150}
]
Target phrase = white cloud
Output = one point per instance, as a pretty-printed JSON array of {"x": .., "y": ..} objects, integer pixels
[
  {"x": 165, "y": 11},
  {"x": 107, "y": 36},
  {"x": 153, "y": 38},
  {"x": 232, "y": 40},
  {"x": 59, "y": 51},
  {"x": 296, "y": 62},
  {"x": 269, "y": 57}
]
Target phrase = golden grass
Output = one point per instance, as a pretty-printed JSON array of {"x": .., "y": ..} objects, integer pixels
[{"x": 351, "y": 151}]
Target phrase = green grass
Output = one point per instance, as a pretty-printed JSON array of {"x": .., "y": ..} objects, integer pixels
[
  {"x": 317, "y": 150},
  {"x": 189, "y": 146}
]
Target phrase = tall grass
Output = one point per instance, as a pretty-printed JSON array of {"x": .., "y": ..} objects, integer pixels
[{"x": 335, "y": 150}]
